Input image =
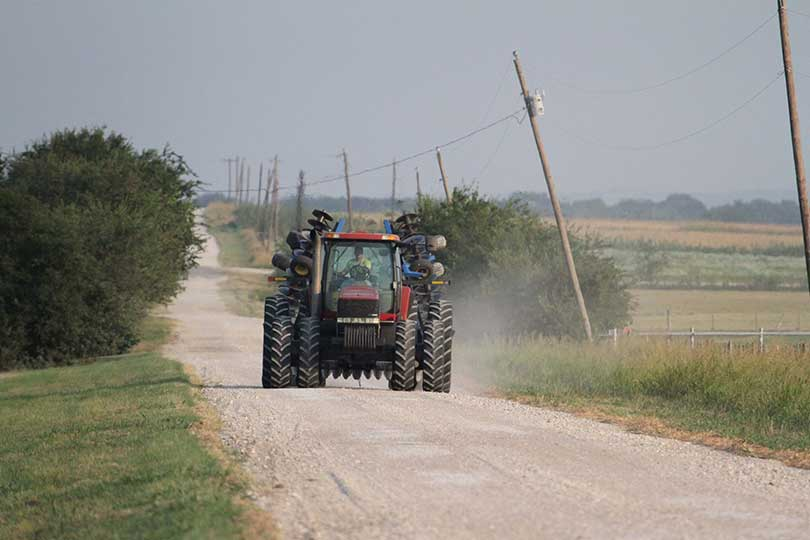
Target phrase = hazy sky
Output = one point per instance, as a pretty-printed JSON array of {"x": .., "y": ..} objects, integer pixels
[{"x": 389, "y": 79}]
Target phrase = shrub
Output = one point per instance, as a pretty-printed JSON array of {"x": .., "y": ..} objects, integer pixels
[
  {"x": 92, "y": 233},
  {"x": 509, "y": 275}
]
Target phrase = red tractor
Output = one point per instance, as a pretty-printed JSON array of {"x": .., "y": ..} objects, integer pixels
[{"x": 347, "y": 307}]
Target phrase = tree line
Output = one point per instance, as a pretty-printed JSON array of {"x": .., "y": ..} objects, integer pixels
[
  {"x": 676, "y": 207},
  {"x": 92, "y": 234}
]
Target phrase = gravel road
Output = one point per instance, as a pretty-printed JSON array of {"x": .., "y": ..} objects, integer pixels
[{"x": 349, "y": 462}]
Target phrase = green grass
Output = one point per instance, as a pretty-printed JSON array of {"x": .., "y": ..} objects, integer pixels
[
  {"x": 759, "y": 399},
  {"x": 244, "y": 294},
  {"x": 108, "y": 450}
]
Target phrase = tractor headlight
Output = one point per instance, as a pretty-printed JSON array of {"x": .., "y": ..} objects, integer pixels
[{"x": 438, "y": 269}]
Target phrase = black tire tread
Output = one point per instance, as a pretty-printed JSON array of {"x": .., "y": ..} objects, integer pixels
[
  {"x": 276, "y": 372},
  {"x": 403, "y": 375},
  {"x": 433, "y": 356},
  {"x": 309, "y": 366}
]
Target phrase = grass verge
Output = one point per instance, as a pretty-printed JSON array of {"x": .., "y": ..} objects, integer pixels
[
  {"x": 239, "y": 246},
  {"x": 747, "y": 402},
  {"x": 244, "y": 294},
  {"x": 120, "y": 448}
]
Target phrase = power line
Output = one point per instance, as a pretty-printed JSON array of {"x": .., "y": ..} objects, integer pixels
[
  {"x": 671, "y": 79},
  {"x": 800, "y": 13},
  {"x": 682, "y": 138},
  {"x": 432, "y": 149}
]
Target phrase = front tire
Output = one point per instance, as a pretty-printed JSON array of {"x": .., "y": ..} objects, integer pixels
[
  {"x": 442, "y": 310},
  {"x": 433, "y": 356},
  {"x": 276, "y": 369},
  {"x": 403, "y": 375},
  {"x": 309, "y": 364}
]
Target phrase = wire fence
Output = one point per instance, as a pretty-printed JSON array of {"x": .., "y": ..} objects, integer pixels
[{"x": 731, "y": 339}]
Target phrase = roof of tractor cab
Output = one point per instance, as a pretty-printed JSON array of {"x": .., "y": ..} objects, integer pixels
[{"x": 361, "y": 236}]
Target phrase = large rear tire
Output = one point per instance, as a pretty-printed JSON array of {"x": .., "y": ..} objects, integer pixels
[
  {"x": 309, "y": 364},
  {"x": 276, "y": 372},
  {"x": 433, "y": 356},
  {"x": 403, "y": 375},
  {"x": 442, "y": 310}
]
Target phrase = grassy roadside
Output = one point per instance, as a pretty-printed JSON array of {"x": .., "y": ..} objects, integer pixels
[
  {"x": 120, "y": 448},
  {"x": 239, "y": 246},
  {"x": 749, "y": 403}
]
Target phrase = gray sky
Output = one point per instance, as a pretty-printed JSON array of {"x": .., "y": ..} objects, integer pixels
[{"x": 388, "y": 79}]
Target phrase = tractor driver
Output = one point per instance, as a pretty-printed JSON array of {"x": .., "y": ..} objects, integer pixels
[{"x": 360, "y": 259}]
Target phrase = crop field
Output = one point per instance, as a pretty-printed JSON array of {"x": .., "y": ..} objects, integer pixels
[
  {"x": 698, "y": 234},
  {"x": 702, "y": 254}
]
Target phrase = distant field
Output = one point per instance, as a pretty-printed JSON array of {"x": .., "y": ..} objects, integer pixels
[
  {"x": 696, "y": 233},
  {"x": 723, "y": 310}
]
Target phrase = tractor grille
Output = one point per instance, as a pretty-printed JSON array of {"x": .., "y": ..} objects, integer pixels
[
  {"x": 350, "y": 307},
  {"x": 360, "y": 336}
]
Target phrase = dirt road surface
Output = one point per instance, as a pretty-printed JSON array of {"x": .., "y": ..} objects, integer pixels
[{"x": 349, "y": 462}]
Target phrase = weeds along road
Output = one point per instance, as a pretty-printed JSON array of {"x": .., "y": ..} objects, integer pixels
[{"x": 370, "y": 463}]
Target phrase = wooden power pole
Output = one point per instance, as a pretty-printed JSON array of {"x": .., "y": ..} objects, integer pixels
[
  {"x": 418, "y": 186},
  {"x": 274, "y": 204},
  {"x": 555, "y": 203},
  {"x": 239, "y": 181},
  {"x": 394, "y": 187},
  {"x": 348, "y": 189},
  {"x": 229, "y": 161},
  {"x": 299, "y": 205},
  {"x": 796, "y": 133},
  {"x": 264, "y": 228},
  {"x": 259, "y": 190},
  {"x": 447, "y": 193},
  {"x": 247, "y": 189}
]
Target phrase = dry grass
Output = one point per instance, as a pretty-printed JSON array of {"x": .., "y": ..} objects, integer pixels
[
  {"x": 219, "y": 214},
  {"x": 260, "y": 255},
  {"x": 695, "y": 233},
  {"x": 727, "y": 310}
]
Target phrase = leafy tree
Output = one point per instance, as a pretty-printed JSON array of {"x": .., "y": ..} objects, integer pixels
[
  {"x": 92, "y": 234},
  {"x": 508, "y": 271}
]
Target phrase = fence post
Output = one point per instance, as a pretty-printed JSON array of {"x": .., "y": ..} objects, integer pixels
[
  {"x": 615, "y": 337},
  {"x": 730, "y": 347},
  {"x": 762, "y": 340},
  {"x": 692, "y": 338}
]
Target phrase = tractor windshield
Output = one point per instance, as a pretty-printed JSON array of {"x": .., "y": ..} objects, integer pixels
[{"x": 360, "y": 263}]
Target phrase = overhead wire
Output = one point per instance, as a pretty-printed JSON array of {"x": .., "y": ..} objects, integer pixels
[
  {"x": 678, "y": 77},
  {"x": 679, "y": 139},
  {"x": 800, "y": 13},
  {"x": 416, "y": 155}
]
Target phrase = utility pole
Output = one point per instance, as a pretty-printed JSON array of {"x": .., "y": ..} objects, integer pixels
[
  {"x": 259, "y": 192},
  {"x": 299, "y": 207},
  {"x": 418, "y": 186},
  {"x": 394, "y": 187},
  {"x": 274, "y": 203},
  {"x": 795, "y": 132},
  {"x": 348, "y": 189},
  {"x": 555, "y": 203},
  {"x": 229, "y": 161},
  {"x": 247, "y": 189},
  {"x": 264, "y": 228},
  {"x": 239, "y": 178},
  {"x": 447, "y": 193}
]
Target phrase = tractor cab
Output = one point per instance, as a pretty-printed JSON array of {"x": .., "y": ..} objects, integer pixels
[{"x": 358, "y": 270}]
